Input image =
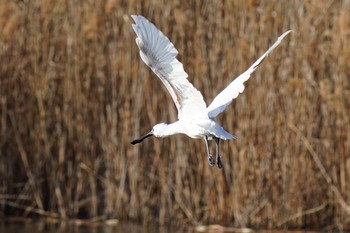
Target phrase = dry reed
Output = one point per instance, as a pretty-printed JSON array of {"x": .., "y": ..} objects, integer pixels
[{"x": 74, "y": 92}]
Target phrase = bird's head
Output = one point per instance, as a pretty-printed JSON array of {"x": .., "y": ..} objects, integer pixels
[{"x": 158, "y": 131}]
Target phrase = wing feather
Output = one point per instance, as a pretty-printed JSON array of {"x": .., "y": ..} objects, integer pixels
[
  {"x": 159, "y": 54},
  {"x": 236, "y": 87}
]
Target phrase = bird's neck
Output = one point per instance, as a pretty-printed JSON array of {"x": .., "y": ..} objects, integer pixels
[{"x": 171, "y": 129}]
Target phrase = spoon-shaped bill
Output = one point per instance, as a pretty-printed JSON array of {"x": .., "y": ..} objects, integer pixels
[{"x": 140, "y": 139}]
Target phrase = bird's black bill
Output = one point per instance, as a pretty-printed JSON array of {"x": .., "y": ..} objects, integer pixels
[{"x": 140, "y": 139}]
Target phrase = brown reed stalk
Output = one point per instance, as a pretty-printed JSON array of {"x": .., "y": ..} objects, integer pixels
[{"x": 74, "y": 92}]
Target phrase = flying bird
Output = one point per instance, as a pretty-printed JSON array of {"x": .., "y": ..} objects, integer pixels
[{"x": 195, "y": 119}]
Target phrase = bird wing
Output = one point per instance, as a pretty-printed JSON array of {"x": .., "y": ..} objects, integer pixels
[
  {"x": 159, "y": 54},
  {"x": 236, "y": 87}
]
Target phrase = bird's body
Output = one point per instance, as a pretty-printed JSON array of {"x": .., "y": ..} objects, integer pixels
[
  {"x": 195, "y": 129},
  {"x": 195, "y": 119}
]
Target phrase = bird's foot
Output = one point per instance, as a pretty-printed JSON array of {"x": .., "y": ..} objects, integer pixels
[
  {"x": 211, "y": 160},
  {"x": 218, "y": 161}
]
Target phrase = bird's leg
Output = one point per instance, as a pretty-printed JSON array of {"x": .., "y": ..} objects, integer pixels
[
  {"x": 210, "y": 157},
  {"x": 217, "y": 156}
]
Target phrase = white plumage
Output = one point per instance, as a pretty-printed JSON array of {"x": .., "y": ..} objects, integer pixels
[{"x": 195, "y": 119}]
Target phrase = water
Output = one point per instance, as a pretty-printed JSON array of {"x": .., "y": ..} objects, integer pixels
[
  {"x": 37, "y": 226},
  {"x": 33, "y": 226}
]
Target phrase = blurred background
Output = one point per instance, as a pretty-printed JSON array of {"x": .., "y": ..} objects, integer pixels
[{"x": 74, "y": 93}]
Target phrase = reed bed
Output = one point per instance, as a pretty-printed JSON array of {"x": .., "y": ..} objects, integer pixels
[{"x": 74, "y": 93}]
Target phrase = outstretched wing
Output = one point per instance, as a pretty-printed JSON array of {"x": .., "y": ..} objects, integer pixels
[
  {"x": 160, "y": 55},
  {"x": 236, "y": 87}
]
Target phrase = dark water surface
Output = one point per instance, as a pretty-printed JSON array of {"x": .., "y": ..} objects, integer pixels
[{"x": 37, "y": 226}]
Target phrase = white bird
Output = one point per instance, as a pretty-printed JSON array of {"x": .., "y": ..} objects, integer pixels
[{"x": 195, "y": 119}]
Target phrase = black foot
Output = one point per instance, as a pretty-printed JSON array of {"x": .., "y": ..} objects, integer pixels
[
  {"x": 219, "y": 162},
  {"x": 211, "y": 160}
]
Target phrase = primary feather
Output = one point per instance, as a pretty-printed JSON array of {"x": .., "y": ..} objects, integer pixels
[
  {"x": 159, "y": 54},
  {"x": 236, "y": 87}
]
